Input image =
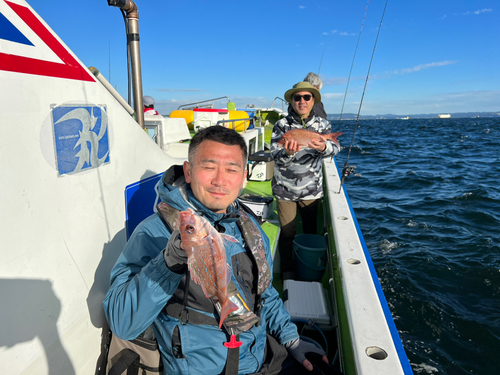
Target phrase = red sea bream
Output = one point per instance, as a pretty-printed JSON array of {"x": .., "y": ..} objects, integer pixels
[
  {"x": 207, "y": 263},
  {"x": 303, "y": 137}
]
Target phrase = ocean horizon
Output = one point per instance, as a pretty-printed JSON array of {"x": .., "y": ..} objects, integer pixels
[{"x": 389, "y": 116}]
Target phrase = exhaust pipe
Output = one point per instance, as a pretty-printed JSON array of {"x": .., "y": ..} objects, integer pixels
[{"x": 132, "y": 14}]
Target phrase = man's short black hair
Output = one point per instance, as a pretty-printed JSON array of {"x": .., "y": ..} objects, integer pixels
[{"x": 219, "y": 134}]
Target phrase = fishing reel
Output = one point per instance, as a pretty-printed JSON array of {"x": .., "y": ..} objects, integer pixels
[{"x": 346, "y": 171}]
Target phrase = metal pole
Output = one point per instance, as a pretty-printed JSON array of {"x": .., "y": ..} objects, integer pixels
[
  {"x": 132, "y": 14},
  {"x": 135, "y": 52}
]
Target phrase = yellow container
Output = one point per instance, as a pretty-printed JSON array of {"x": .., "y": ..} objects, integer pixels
[
  {"x": 238, "y": 125},
  {"x": 188, "y": 115},
  {"x": 185, "y": 114}
]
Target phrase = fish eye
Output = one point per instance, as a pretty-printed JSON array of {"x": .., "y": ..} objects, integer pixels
[{"x": 189, "y": 229}]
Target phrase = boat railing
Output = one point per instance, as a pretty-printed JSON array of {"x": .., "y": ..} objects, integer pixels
[
  {"x": 202, "y": 104},
  {"x": 247, "y": 122},
  {"x": 112, "y": 90},
  {"x": 283, "y": 102},
  {"x": 259, "y": 111}
]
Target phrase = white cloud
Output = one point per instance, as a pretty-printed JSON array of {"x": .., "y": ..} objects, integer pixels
[
  {"x": 467, "y": 101},
  {"x": 483, "y": 11},
  {"x": 461, "y": 101},
  {"x": 302, "y": 7},
  {"x": 333, "y": 81},
  {"x": 345, "y": 33},
  {"x": 425, "y": 66},
  {"x": 476, "y": 12},
  {"x": 167, "y": 106},
  {"x": 332, "y": 95},
  {"x": 416, "y": 68}
]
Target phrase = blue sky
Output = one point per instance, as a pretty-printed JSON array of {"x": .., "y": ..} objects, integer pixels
[{"x": 431, "y": 56}]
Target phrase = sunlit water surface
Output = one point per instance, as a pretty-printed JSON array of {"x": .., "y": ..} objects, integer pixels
[{"x": 426, "y": 194}]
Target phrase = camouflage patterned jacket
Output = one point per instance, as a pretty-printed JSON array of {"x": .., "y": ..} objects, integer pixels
[{"x": 299, "y": 177}]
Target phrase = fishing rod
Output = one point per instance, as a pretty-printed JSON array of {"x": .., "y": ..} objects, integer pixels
[
  {"x": 347, "y": 170},
  {"x": 352, "y": 64}
]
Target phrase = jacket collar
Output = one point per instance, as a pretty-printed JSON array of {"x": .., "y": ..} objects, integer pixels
[{"x": 294, "y": 117}]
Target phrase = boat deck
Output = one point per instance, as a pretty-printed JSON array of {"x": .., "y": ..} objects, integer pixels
[{"x": 326, "y": 336}]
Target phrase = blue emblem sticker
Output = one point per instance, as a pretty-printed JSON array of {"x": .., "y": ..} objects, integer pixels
[{"x": 80, "y": 137}]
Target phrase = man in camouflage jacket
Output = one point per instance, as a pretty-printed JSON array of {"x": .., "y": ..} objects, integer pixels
[{"x": 298, "y": 177}]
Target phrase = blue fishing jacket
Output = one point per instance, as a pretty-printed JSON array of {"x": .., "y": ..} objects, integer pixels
[{"x": 142, "y": 284}]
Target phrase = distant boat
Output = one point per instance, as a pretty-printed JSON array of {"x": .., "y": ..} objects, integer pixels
[
  {"x": 405, "y": 118},
  {"x": 444, "y": 116}
]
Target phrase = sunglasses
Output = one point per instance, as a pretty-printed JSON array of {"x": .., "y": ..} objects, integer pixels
[{"x": 306, "y": 97}]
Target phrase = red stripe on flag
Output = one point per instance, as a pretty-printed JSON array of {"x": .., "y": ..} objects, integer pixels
[{"x": 71, "y": 69}]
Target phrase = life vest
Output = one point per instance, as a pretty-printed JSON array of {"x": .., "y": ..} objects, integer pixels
[
  {"x": 242, "y": 319},
  {"x": 150, "y": 111}
]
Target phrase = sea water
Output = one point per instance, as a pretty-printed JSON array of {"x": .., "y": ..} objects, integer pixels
[{"x": 426, "y": 194}]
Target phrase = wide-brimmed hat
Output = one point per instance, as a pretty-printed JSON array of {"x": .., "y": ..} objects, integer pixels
[
  {"x": 147, "y": 101},
  {"x": 303, "y": 86}
]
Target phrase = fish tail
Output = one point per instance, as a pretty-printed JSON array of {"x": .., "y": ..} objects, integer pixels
[
  {"x": 226, "y": 308},
  {"x": 333, "y": 137}
]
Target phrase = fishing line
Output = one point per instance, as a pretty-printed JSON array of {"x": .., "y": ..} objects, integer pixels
[
  {"x": 352, "y": 64},
  {"x": 346, "y": 171},
  {"x": 321, "y": 61}
]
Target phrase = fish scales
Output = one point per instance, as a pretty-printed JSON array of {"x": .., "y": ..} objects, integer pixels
[
  {"x": 303, "y": 137},
  {"x": 207, "y": 259}
]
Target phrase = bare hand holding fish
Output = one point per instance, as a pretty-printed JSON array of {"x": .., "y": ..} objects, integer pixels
[
  {"x": 291, "y": 147},
  {"x": 296, "y": 138},
  {"x": 207, "y": 263}
]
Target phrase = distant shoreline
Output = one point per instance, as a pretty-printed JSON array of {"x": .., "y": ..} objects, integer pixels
[{"x": 353, "y": 116}]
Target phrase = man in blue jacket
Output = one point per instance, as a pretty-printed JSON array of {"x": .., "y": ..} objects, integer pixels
[{"x": 150, "y": 280}]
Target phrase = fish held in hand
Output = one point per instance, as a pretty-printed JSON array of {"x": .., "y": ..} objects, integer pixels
[
  {"x": 303, "y": 137},
  {"x": 207, "y": 263}
]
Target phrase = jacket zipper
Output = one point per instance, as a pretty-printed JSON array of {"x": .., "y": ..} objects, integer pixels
[{"x": 242, "y": 285}]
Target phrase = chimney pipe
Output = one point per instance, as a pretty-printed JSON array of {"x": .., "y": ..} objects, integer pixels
[{"x": 132, "y": 14}]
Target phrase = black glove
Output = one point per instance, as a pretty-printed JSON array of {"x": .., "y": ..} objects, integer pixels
[
  {"x": 298, "y": 349},
  {"x": 175, "y": 257}
]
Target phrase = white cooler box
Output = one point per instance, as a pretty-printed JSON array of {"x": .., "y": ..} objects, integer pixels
[
  {"x": 261, "y": 206},
  {"x": 205, "y": 117},
  {"x": 306, "y": 300},
  {"x": 260, "y": 166}
]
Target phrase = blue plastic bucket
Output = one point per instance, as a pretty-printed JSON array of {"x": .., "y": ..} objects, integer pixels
[{"x": 310, "y": 256}]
